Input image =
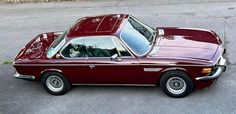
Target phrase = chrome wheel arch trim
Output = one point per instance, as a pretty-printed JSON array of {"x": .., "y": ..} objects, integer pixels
[
  {"x": 174, "y": 68},
  {"x": 50, "y": 70}
]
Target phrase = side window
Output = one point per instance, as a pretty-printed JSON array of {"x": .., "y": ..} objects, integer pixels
[
  {"x": 90, "y": 47},
  {"x": 74, "y": 50}
]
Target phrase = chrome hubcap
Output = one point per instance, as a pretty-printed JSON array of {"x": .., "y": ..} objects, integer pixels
[
  {"x": 176, "y": 85},
  {"x": 55, "y": 83}
]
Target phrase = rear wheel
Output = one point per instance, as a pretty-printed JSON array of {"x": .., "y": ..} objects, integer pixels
[
  {"x": 55, "y": 83},
  {"x": 176, "y": 84}
]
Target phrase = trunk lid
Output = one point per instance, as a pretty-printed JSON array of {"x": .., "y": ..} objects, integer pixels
[{"x": 37, "y": 47}]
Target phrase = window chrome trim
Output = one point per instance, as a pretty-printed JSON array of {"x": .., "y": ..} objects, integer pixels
[
  {"x": 66, "y": 32},
  {"x": 115, "y": 43},
  {"x": 105, "y": 36},
  {"x": 60, "y": 52},
  {"x": 61, "y": 44},
  {"x": 123, "y": 45}
]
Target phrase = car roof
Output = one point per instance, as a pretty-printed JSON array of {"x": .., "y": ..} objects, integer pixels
[{"x": 97, "y": 25}]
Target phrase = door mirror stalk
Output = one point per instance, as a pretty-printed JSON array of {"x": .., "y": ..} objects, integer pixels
[
  {"x": 115, "y": 58},
  {"x": 58, "y": 56}
]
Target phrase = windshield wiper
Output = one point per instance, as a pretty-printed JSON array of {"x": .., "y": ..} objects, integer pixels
[{"x": 151, "y": 42}]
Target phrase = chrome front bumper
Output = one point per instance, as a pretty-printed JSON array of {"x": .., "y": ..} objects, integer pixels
[
  {"x": 221, "y": 67},
  {"x": 24, "y": 77}
]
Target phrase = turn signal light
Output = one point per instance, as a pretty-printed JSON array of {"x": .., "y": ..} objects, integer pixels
[{"x": 206, "y": 70}]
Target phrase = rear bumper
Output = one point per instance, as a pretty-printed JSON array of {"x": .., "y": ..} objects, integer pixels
[
  {"x": 24, "y": 77},
  {"x": 221, "y": 67}
]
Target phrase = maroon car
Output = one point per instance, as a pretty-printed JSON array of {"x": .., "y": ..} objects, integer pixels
[{"x": 118, "y": 49}]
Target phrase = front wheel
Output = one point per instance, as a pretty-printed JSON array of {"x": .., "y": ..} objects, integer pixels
[
  {"x": 55, "y": 83},
  {"x": 176, "y": 84}
]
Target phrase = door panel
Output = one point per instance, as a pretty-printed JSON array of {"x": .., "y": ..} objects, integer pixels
[{"x": 105, "y": 71}]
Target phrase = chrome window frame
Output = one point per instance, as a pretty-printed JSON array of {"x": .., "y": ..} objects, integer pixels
[
  {"x": 105, "y": 36},
  {"x": 58, "y": 47},
  {"x": 117, "y": 40},
  {"x": 65, "y": 32}
]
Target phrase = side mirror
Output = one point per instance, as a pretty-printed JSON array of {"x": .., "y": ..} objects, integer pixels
[
  {"x": 115, "y": 58},
  {"x": 58, "y": 56}
]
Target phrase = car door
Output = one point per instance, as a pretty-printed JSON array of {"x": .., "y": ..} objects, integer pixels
[
  {"x": 74, "y": 64},
  {"x": 111, "y": 63}
]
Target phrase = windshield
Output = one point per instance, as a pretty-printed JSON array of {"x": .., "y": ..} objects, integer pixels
[
  {"x": 137, "y": 36},
  {"x": 56, "y": 45}
]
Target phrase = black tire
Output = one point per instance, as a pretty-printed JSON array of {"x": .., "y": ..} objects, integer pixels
[
  {"x": 49, "y": 83},
  {"x": 179, "y": 84}
]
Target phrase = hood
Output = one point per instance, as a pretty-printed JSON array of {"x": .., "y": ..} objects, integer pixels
[
  {"x": 37, "y": 48},
  {"x": 186, "y": 43}
]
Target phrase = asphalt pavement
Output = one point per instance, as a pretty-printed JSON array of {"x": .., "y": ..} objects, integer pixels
[{"x": 19, "y": 23}]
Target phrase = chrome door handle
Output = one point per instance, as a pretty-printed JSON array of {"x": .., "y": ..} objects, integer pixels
[{"x": 91, "y": 66}]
